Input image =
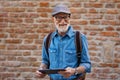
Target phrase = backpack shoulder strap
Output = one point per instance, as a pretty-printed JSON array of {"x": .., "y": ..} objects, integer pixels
[
  {"x": 47, "y": 43},
  {"x": 78, "y": 45}
]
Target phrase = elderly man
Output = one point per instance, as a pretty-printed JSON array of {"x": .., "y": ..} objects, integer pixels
[{"x": 62, "y": 53}]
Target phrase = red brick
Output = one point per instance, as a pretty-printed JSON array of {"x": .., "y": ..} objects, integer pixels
[
  {"x": 13, "y": 41},
  {"x": 14, "y": 20},
  {"x": 77, "y": 10},
  {"x": 93, "y": 53},
  {"x": 93, "y": 48},
  {"x": 112, "y": 11},
  {"x": 116, "y": 1},
  {"x": 93, "y": 75},
  {"x": 93, "y": 10},
  {"x": 118, "y": 6},
  {"x": 109, "y": 22},
  {"x": 110, "y": 5},
  {"x": 26, "y": 59},
  {"x": 44, "y": 21},
  {"x": 2, "y": 19},
  {"x": 43, "y": 31},
  {"x": 43, "y": 14},
  {"x": 109, "y": 33},
  {"x": 29, "y": 20},
  {"x": 28, "y": 4},
  {"x": 3, "y": 35},
  {"x": 93, "y": 28},
  {"x": 12, "y": 47},
  {"x": 75, "y": 4},
  {"x": 109, "y": 17},
  {"x": 113, "y": 65},
  {"x": 27, "y": 47},
  {"x": 7, "y": 74},
  {"x": 11, "y": 53},
  {"x": 26, "y": 53},
  {"x": 13, "y": 35},
  {"x": 24, "y": 69},
  {"x": 95, "y": 5},
  {"x": 30, "y": 36},
  {"x": 13, "y": 9},
  {"x": 35, "y": 64},
  {"x": 93, "y": 16},
  {"x": 2, "y": 58},
  {"x": 102, "y": 70},
  {"x": 11, "y": 63},
  {"x": 33, "y": 15},
  {"x": 1, "y": 30},
  {"x": 93, "y": 33},
  {"x": 28, "y": 41},
  {"x": 16, "y": 15},
  {"x": 75, "y": 16},
  {"x": 79, "y": 22},
  {"x": 3, "y": 25},
  {"x": 19, "y": 30},
  {"x": 96, "y": 59},
  {"x": 118, "y": 28},
  {"x": 117, "y": 60},
  {"x": 3, "y": 14},
  {"x": 29, "y": 15},
  {"x": 44, "y": 4},
  {"x": 95, "y": 22},
  {"x": 11, "y": 58},
  {"x": 109, "y": 28},
  {"x": 93, "y": 0},
  {"x": 2, "y": 46},
  {"x": 117, "y": 70},
  {"x": 106, "y": 1},
  {"x": 44, "y": 10},
  {"x": 117, "y": 49},
  {"x": 103, "y": 76}
]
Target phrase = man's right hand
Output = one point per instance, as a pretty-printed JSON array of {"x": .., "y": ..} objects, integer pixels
[{"x": 40, "y": 75}]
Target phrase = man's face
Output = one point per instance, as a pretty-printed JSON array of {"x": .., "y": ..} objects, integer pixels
[{"x": 62, "y": 22}]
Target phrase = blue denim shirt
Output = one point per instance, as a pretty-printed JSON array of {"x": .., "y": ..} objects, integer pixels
[{"x": 62, "y": 53}]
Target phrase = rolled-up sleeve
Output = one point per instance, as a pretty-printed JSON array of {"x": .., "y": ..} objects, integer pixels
[
  {"x": 85, "y": 57},
  {"x": 45, "y": 59}
]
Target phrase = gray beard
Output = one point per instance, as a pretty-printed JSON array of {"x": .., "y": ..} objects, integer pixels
[{"x": 63, "y": 29}]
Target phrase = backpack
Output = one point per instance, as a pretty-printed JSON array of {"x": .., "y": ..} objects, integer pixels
[{"x": 78, "y": 45}]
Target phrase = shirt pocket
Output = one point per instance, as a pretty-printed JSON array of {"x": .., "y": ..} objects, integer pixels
[
  {"x": 70, "y": 56},
  {"x": 52, "y": 55}
]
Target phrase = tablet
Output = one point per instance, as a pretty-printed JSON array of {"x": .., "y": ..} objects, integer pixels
[{"x": 51, "y": 71}]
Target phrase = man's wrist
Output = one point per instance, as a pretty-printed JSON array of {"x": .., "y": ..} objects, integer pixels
[
  {"x": 76, "y": 71},
  {"x": 41, "y": 68}
]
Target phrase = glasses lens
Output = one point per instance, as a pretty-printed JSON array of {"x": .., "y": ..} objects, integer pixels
[{"x": 59, "y": 18}]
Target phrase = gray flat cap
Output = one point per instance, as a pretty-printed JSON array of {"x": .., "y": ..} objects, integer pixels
[{"x": 60, "y": 8}]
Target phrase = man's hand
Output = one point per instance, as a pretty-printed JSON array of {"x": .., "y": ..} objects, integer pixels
[
  {"x": 68, "y": 72},
  {"x": 40, "y": 75}
]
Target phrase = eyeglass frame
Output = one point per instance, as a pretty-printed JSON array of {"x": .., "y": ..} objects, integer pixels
[{"x": 60, "y": 18}]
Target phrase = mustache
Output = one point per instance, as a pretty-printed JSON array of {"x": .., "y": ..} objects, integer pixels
[{"x": 62, "y": 24}]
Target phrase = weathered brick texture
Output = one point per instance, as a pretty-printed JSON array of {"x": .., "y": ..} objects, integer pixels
[{"x": 24, "y": 23}]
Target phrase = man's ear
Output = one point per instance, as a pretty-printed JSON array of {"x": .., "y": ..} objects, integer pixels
[{"x": 53, "y": 19}]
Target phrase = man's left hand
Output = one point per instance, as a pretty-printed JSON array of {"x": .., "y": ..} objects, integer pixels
[{"x": 68, "y": 72}]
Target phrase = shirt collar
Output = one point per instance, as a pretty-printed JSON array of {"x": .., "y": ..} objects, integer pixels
[{"x": 69, "y": 32}]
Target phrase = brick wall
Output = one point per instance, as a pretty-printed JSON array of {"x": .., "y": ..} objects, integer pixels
[{"x": 24, "y": 23}]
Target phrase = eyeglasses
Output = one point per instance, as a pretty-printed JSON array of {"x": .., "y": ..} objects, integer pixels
[{"x": 59, "y": 18}]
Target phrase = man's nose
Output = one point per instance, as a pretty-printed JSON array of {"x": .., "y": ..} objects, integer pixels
[{"x": 62, "y": 21}]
